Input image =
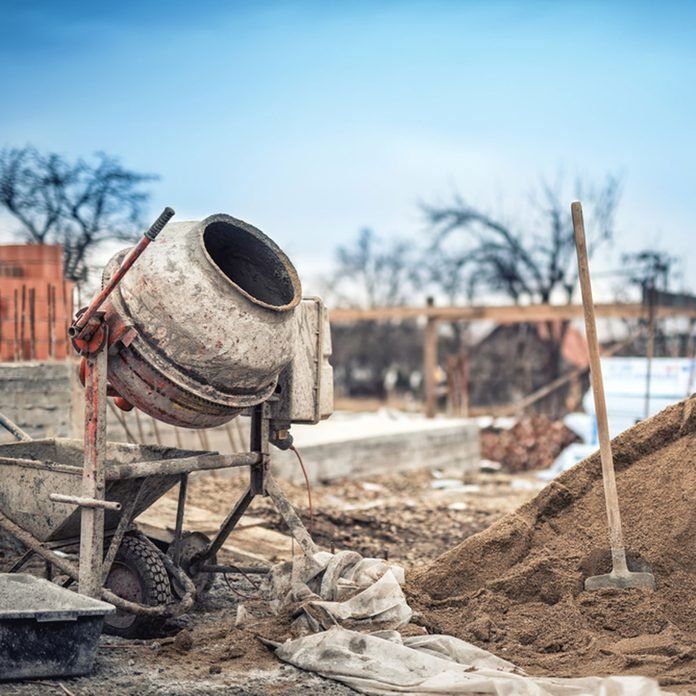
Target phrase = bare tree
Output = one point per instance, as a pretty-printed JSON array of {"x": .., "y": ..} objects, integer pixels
[
  {"x": 373, "y": 272},
  {"x": 533, "y": 262},
  {"x": 29, "y": 190},
  {"x": 651, "y": 270},
  {"x": 76, "y": 203},
  {"x": 473, "y": 251}
]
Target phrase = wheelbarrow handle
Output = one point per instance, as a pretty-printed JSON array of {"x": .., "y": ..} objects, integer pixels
[
  {"x": 13, "y": 428},
  {"x": 85, "y": 502}
]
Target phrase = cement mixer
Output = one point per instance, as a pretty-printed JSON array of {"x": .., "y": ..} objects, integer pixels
[
  {"x": 212, "y": 319},
  {"x": 208, "y": 324}
]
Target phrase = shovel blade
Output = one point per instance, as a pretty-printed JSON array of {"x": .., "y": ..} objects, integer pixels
[{"x": 621, "y": 581}]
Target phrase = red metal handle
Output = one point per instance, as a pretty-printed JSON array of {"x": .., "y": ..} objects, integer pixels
[{"x": 83, "y": 320}]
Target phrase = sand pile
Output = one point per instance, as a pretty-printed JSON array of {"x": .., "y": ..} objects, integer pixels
[{"x": 517, "y": 588}]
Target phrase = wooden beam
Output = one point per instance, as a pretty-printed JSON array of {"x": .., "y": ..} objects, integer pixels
[
  {"x": 430, "y": 364},
  {"x": 505, "y": 314}
]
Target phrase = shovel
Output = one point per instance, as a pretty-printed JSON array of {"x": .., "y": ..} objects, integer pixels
[{"x": 620, "y": 576}]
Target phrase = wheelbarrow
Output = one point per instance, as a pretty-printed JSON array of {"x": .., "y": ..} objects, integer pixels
[{"x": 40, "y": 506}]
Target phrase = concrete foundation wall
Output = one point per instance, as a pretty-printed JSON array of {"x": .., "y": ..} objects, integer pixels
[
  {"x": 38, "y": 396},
  {"x": 447, "y": 447}
]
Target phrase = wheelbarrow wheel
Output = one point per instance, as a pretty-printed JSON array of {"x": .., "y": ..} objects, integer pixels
[{"x": 139, "y": 575}]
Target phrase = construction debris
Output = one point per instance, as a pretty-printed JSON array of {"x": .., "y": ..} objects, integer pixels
[{"x": 533, "y": 442}]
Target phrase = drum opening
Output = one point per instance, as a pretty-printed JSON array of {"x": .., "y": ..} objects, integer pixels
[{"x": 253, "y": 263}]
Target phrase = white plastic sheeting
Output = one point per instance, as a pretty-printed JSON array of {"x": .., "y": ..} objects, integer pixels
[
  {"x": 382, "y": 664},
  {"x": 569, "y": 457},
  {"x": 625, "y": 383},
  {"x": 336, "y": 591}
]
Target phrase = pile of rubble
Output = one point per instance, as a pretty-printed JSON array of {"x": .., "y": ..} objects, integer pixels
[{"x": 533, "y": 442}]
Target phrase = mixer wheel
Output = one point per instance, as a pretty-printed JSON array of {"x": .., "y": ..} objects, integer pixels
[{"x": 139, "y": 575}]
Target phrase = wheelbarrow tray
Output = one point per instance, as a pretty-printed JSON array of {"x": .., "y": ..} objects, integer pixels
[{"x": 30, "y": 471}]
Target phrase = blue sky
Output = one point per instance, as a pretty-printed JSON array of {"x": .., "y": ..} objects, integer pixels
[{"x": 312, "y": 120}]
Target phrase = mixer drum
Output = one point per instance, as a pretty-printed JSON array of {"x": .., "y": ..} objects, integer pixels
[{"x": 211, "y": 306}]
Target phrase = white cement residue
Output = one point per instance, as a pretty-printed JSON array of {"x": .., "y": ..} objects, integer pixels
[{"x": 343, "y": 426}]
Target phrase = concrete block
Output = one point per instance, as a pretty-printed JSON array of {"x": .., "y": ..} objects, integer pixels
[{"x": 39, "y": 396}]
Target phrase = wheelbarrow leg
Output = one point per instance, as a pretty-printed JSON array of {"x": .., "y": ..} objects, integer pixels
[
  {"x": 121, "y": 529},
  {"x": 93, "y": 484}
]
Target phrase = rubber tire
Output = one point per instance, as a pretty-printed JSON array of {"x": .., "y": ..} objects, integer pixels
[{"x": 141, "y": 557}]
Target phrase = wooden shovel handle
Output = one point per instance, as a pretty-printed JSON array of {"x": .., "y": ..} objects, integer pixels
[{"x": 610, "y": 493}]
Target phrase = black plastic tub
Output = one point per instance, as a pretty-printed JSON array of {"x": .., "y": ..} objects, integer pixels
[{"x": 46, "y": 630}]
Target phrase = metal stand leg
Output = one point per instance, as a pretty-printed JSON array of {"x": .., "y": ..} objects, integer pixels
[
  {"x": 259, "y": 443},
  {"x": 180, "y": 509},
  {"x": 261, "y": 483},
  {"x": 93, "y": 485},
  {"x": 291, "y": 518},
  {"x": 229, "y": 524}
]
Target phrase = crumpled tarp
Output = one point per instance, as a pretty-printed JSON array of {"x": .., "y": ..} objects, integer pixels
[
  {"x": 339, "y": 588},
  {"x": 337, "y": 593},
  {"x": 435, "y": 664}
]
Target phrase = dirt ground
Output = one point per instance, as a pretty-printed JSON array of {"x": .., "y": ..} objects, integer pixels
[{"x": 410, "y": 517}]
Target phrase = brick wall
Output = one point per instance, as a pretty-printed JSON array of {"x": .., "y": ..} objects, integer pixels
[{"x": 35, "y": 302}]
